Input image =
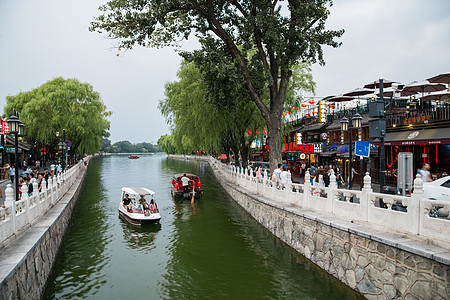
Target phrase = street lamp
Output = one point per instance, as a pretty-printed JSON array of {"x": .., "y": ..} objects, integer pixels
[
  {"x": 62, "y": 147},
  {"x": 15, "y": 127},
  {"x": 349, "y": 125}
]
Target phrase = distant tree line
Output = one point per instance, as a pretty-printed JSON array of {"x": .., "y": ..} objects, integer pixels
[{"x": 127, "y": 147}]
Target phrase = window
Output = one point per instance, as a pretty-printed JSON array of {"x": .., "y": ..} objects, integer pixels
[{"x": 446, "y": 184}]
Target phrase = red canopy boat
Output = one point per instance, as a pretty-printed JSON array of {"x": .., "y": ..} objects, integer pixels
[{"x": 193, "y": 188}]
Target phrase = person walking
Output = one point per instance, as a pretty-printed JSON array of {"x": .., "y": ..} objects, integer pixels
[
  {"x": 312, "y": 173},
  {"x": 12, "y": 173},
  {"x": 425, "y": 173}
]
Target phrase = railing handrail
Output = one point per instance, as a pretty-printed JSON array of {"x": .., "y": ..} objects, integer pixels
[{"x": 18, "y": 215}]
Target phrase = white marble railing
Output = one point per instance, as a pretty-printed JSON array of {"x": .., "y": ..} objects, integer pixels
[
  {"x": 18, "y": 215},
  {"x": 357, "y": 206}
]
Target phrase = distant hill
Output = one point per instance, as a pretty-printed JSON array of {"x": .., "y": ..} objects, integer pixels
[{"x": 127, "y": 147}]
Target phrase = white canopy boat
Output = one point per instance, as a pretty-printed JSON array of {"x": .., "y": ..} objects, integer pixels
[{"x": 137, "y": 212}]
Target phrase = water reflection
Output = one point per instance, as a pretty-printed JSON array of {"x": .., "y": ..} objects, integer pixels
[
  {"x": 141, "y": 237},
  {"x": 81, "y": 273}
]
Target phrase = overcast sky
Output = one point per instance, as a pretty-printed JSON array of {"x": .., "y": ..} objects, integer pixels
[{"x": 402, "y": 40}]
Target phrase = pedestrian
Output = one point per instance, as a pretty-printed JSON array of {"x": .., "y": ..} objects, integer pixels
[
  {"x": 339, "y": 178},
  {"x": 276, "y": 175},
  {"x": 319, "y": 177},
  {"x": 326, "y": 177},
  {"x": 258, "y": 171},
  {"x": 312, "y": 173},
  {"x": 353, "y": 175},
  {"x": 52, "y": 169},
  {"x": 12, "y": 173},
  {"x": 283, "y": 178},
  {"x": 425, "y": 173}
]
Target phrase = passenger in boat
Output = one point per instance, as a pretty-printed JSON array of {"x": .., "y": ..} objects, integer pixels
[
  {"x": 185, "y": 181},
  {"x": 152, "y": 205},
  {"x": 127, "y": 202},
  {"x": 143, "y": 202}
]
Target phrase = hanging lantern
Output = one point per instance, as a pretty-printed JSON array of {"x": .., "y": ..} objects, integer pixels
[
  {"x": 311, "y": 101},
  {"x": 304, "y": 105}
]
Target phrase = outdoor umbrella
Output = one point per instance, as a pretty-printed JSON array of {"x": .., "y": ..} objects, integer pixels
[
  {"x": 222, "y": 156},
  {"x": 376, "y": 84},
  {"x": 359, "y": 92},
  {"x": 442, "y": 95},
  {"x": 423, "y": 87},
  {"x": 441, "y": 78},
  {"x": 340, "y": 99}
]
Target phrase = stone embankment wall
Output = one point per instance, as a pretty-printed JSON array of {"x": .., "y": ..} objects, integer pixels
[
  {"x": 26, "y": 262},
  {"x": 379, "y": 266}
]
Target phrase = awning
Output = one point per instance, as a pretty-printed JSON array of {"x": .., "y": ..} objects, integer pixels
[
  {"x": 435, "y": 136},
  {"x": 312, "y": 127}
]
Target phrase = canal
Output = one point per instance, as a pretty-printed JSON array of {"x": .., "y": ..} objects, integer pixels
[{"x": 212, "y": 249}]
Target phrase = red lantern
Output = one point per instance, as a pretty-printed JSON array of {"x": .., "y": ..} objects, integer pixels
[
  {"x": 311, "y": 101},
  {"x": 304, "y": 105}
]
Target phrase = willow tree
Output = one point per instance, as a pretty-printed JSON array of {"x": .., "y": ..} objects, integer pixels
[
  {"x": 62, "y": 104},
  {"x": 285, "y": 33}
]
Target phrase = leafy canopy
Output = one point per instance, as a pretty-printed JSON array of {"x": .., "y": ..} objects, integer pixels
[{"x": 62, "y": 104}]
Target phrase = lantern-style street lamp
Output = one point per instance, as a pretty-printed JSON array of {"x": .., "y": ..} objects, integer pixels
[
  {"x": 16, "y": 127},
  {"x": 348, "y": 125}
]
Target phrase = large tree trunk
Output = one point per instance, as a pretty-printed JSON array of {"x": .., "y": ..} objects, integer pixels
[{"x": 274, "y": 136}]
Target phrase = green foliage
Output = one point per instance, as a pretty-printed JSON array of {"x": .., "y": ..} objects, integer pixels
[
  {"x": 266, "y": 38},
  {"x": 166, "y": 144},
  {"x": 62, "y": 104},
  {"x": 127, "y": 147}
]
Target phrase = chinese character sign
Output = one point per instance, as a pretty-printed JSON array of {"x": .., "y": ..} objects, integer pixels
[{"x": 5, "y": 127}]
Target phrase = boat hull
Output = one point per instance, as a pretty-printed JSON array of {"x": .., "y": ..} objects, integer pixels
[
  {"x": 138, "y": 218},
  {"x": 186, "y": 195}
]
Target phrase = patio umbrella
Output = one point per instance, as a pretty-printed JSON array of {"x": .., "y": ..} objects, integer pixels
[
  {"x": 341, "y": 99},
  {"x": 423, "y": 87},
  {"x": 222, "y": 156},
  {"x": 442, "y": 95},
  {"x": 376, "y": 84},
  {"x": 441, "y": 78},
  {"x": 359, "y": 92}
]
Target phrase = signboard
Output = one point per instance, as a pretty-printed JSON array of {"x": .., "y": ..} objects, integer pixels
[
  {"x": 68, "y": 143},
  {"x": 5, "y": 127},
  {"x": 362, "y": 148}
]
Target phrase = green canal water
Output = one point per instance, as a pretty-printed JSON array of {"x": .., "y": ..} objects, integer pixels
[{"x": 210, "y": 250}]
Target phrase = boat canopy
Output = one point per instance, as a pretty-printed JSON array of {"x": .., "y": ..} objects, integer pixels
[
  {"x": 192, "y": 176},
  {"x": 137, "y": 191}
]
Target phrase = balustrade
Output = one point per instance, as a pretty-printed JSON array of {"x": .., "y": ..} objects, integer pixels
[
  {"x": 18, "y": 215},
  {"x": 351, "y": 205}
]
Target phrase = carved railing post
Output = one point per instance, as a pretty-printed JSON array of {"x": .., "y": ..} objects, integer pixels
[
  {"x": 364, "y": 202},
  {"x": 331, "y": 192},
  {"x": 11, "y": 203},
  {"x": 26, "y": 201},
  {"x": 307, "y": 190},
  {"x": 416, "y": 217}
]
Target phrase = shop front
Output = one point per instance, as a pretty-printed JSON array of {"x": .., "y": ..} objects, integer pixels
[
  {"x": 297, "y": 158},
  {"x": 430, "y": 146}
]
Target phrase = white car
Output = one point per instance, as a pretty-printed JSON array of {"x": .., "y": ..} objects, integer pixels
[{"x": 438, "y": 189}]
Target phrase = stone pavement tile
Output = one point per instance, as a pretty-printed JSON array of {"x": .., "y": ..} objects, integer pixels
[
  {"x": 420, "y": 248},
  {"x": 5, "y": 270},
  {"x": 389, "y": 238},
  {"x": 11, "y": 258},
  {"x": 442, "y": 257}
]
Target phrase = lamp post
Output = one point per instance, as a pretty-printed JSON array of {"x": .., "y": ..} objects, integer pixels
[
  {"x": 62, "y": 146},
  {"x": 15, "y": 127},
  {"x": 349, "y": 125}
]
